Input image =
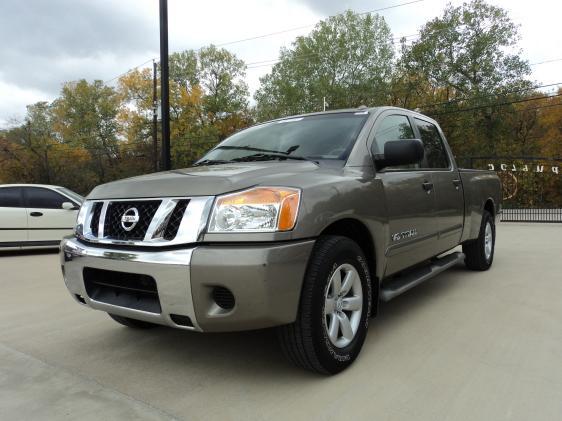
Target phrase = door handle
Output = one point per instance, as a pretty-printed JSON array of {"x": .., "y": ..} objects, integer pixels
[
  {"x": 427, "y": 186},
  {"x": 457, "y": 183},
  {"x": 36, "y": 213}
]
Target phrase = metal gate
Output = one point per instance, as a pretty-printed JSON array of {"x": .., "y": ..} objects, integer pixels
[{"x": 531, "y": 186}]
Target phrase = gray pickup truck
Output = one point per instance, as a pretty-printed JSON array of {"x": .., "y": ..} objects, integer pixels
[{"x": 303, "y": 223}]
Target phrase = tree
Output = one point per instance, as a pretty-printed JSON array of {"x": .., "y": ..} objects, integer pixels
[
  {"x": 222, "y": 80},
  {"x": 32, "y": 153},
  {"x": 467, "y": 58},
  {"x": 85, "y": 116},
  {"x": 208, "y": 101},
  {"x": 346, "y": 59}
]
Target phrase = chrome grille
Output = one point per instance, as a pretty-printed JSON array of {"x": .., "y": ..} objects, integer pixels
[
  {"x": 96, "y": 212},
  {"x": 175, "y": 219},
  {"x": 161, "y": 221},
  {"x": 113, "y": 228}
]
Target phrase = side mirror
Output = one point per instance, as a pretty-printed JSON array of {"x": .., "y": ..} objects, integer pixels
[
  {"x": 68, "y": 206},
  {"x": 400, "y": 152}
]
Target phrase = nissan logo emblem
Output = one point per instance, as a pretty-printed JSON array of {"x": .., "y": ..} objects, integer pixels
[{"x": 130, "y": 219}]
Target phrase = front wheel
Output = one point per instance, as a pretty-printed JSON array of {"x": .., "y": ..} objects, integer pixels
[
  {"x": 479, "y": 253},
  {"x": 334, "y": 311}
]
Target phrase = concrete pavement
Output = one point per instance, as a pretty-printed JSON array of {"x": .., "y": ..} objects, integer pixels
[{"x": 463, "y": 346}]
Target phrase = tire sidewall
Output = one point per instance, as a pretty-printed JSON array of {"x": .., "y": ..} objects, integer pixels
[
  {"x": 485, "y": 220},
  {"x": 332, "y": 358}
]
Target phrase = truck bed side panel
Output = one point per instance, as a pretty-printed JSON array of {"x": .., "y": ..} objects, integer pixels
[{"x": 479, "y": 187}]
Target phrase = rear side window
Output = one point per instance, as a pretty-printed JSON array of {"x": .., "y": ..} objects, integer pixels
[
  {"x": 37, "y": 197},
  {"x": 10, "y": 197},
  {"x": 435, "y": 154},
  {"x": 393, "y": 127}
]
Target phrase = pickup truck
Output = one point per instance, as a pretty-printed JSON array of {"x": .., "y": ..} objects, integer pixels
[{"x": 302, "y": 223}]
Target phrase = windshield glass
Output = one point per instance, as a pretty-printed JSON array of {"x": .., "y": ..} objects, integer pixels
[
  {"x": 71, "y": 194},
  {"x": 325, "y": 136}
]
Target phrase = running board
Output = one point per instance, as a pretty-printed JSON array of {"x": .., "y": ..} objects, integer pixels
[{"x": 410, "y": 279}]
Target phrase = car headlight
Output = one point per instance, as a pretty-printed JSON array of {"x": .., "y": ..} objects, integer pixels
[{"x": 260, "y": 209}]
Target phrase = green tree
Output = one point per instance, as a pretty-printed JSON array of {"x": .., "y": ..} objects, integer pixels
[
  {"x": 222, "y": 80},
  {"x": 467, "y": 58},
  {"x": 347, "y": 59}
]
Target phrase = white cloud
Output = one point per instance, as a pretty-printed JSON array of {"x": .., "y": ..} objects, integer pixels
[{"x": 15, "y": 98}]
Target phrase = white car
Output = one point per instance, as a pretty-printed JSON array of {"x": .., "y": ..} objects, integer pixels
[{"x": 36, "y": 215}]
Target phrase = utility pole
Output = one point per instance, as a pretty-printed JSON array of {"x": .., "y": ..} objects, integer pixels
[
  {"x": 324, "y": 103},
  {"x": 165, "y": 86},
  {"x": 155, "y": 115}
]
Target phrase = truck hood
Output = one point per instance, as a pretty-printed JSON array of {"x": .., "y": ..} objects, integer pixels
[{"x": 202, "y": 181}]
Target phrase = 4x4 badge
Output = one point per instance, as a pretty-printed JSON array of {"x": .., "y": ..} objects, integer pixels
[{"x": 130, "y": 219}]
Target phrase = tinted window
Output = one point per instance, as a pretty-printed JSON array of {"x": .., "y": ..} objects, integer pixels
[
  {"x": 325, "y": 136},
  {"x": 10, "y": 197},
  {"x": 393, "y": 127},
  {"x": 435, "y": 154},
  {"x": 37, "y": 197}
]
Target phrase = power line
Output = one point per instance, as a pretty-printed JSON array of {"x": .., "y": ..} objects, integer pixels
[
  {"x": 453, "y": 101},
  {"x": 500, "y": 104},
  {"x": 276, "y": 33},
  {"x": 546, "y": 61},
  {"x": 128, "y": 71},
  {"x": 313, "y": 24}
]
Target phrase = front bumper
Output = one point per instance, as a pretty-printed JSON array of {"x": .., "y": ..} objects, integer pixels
[{"x": 264, "y": 279}]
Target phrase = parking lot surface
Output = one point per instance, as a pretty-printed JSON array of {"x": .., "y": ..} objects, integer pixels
[{"x": 463, "y": 346}]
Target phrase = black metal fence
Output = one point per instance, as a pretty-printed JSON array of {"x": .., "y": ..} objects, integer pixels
[
  {"x": 531, "y": 215},
  {"x": 531, "y": 186}
]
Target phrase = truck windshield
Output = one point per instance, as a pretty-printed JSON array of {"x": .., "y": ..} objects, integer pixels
[{"x": 324, "y": 136}]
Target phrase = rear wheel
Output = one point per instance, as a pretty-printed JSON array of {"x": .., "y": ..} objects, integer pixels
[
  {"x": 135, "y": 324},
  {"x": 480, "y": 252},
  {"x": 334, "y": 310}
]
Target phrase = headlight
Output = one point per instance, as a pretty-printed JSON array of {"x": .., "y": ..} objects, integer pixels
[{"x": 260, "y": 209}]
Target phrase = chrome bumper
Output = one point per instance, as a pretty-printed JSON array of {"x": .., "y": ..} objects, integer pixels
[{"x": 170, "y": 270}]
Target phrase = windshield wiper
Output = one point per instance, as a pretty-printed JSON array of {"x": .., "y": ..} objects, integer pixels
[
  {"x": 211, "y": 162},
  {"x": 271, "y": 156},
  {"x": 251, "y": 148}
]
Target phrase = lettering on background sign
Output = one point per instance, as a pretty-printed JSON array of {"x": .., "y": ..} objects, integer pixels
[{"x": 553, "y": 169}]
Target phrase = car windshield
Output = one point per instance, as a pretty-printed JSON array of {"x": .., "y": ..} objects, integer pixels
[
  {"x": 71, "y": 194},
  {"x": 316, "y": 137}
]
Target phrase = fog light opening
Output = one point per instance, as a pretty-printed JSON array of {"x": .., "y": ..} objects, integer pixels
[
  {"x": 223, "y": 297},
  {"x": 181, "y": 320}
]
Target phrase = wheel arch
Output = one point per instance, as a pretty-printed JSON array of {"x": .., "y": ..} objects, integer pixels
[
  {"x": 357, "y": 231},
  {"x": 490, "y": 206}
]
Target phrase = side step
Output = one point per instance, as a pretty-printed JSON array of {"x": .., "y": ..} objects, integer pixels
[{"x": 410, "y": 279}]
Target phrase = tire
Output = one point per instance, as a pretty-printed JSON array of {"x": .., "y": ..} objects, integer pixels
[
  {"x": 306, "y": 342},
  {"x": 135, "y": 324},
  {"x": 477, "y": 256}
]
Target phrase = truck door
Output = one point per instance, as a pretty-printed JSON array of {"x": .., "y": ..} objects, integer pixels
[
  {"x": 447, "y": 185},
  {"x": 13, "y": 217},
  {"x": 410, "y": 200}
]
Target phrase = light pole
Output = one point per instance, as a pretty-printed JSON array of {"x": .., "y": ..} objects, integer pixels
[
  {"x": 165, "y": 86},
  {"x": 154, "y": 116}
]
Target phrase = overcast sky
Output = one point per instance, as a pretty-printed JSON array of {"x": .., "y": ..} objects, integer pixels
[{"x": 46, "y": 43}]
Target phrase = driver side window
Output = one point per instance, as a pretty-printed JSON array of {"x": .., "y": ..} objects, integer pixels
[{"x": 394, "y": 127}]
